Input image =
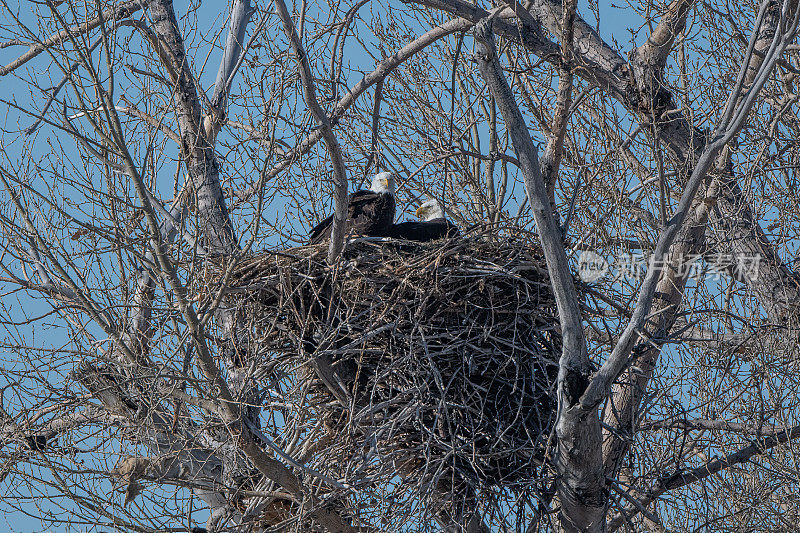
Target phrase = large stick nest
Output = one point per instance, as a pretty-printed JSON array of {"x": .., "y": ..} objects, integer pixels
[{"x": 438, "y": 359}]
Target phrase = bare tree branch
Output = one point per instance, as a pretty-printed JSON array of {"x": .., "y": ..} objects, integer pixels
[
  {"x": 384, "y": 69},
  {"x": 120, "y": 11},
  {"x": 334, "y": 151},
  {"x": 649, "y": 59},
  {"x": 581, "y": 486},
  {"x": 682, "y": 478},
  {"x": 729, "y": 125},
  {"x": 555, "y": 146},
  {"x": 240, "y": 14},
  {"x": 200, "y": 160},
  {"x": 632, "y": 385}
]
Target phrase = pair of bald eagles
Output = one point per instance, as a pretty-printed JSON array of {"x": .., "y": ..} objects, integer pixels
[{"x": 371, "y": 213}]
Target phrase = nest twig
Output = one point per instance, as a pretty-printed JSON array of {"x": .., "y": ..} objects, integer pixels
[{"x": 434, "y": 361}]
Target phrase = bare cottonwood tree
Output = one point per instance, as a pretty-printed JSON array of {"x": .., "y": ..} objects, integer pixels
[{"x": 133, "y": 395}]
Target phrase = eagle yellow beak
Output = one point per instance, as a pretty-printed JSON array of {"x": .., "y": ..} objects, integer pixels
[
  {"x": 419, "y": 212},
  {"x": 385, "y": 182}
]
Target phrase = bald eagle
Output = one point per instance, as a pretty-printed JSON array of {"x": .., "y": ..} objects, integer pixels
[
  {"x": 434, "y": 225},
  {"x": 369, "y": 212}
]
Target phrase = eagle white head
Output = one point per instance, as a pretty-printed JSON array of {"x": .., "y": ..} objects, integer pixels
[
  {"x": 383, "y": 182},
  {"x": 430, "y": 210}
]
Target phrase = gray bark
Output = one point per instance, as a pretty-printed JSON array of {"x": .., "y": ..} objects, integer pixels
[
  {"x": 733, "y": 222},
  {"x": 241, "y": 11},
  {"x": 586, "y": 513},
  {"x": 627, "y": 394},
  {"x": 334, "y": 150},
  {"x": 220, "y": 239},
  {"x": 675, "y": 480},
  {"x": 581, "y": 486},
  {"x": 197, "y": 152}
]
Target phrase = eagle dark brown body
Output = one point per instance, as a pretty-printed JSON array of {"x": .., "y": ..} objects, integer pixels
[
  {"x": 424, "y": 231},
  {"x": 369, "y": 212},
  {"x": 432, "y": 226}
]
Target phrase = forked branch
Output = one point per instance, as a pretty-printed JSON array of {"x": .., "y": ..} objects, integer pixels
[
  {"x": 334, "y": 150},
  {"x": 682, "y": 478},
  {"x": 739, "y": 104},
  {"x": 581, "y": 484}
]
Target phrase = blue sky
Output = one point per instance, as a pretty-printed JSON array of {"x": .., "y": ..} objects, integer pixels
[{"x": 615, "y": 24}]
